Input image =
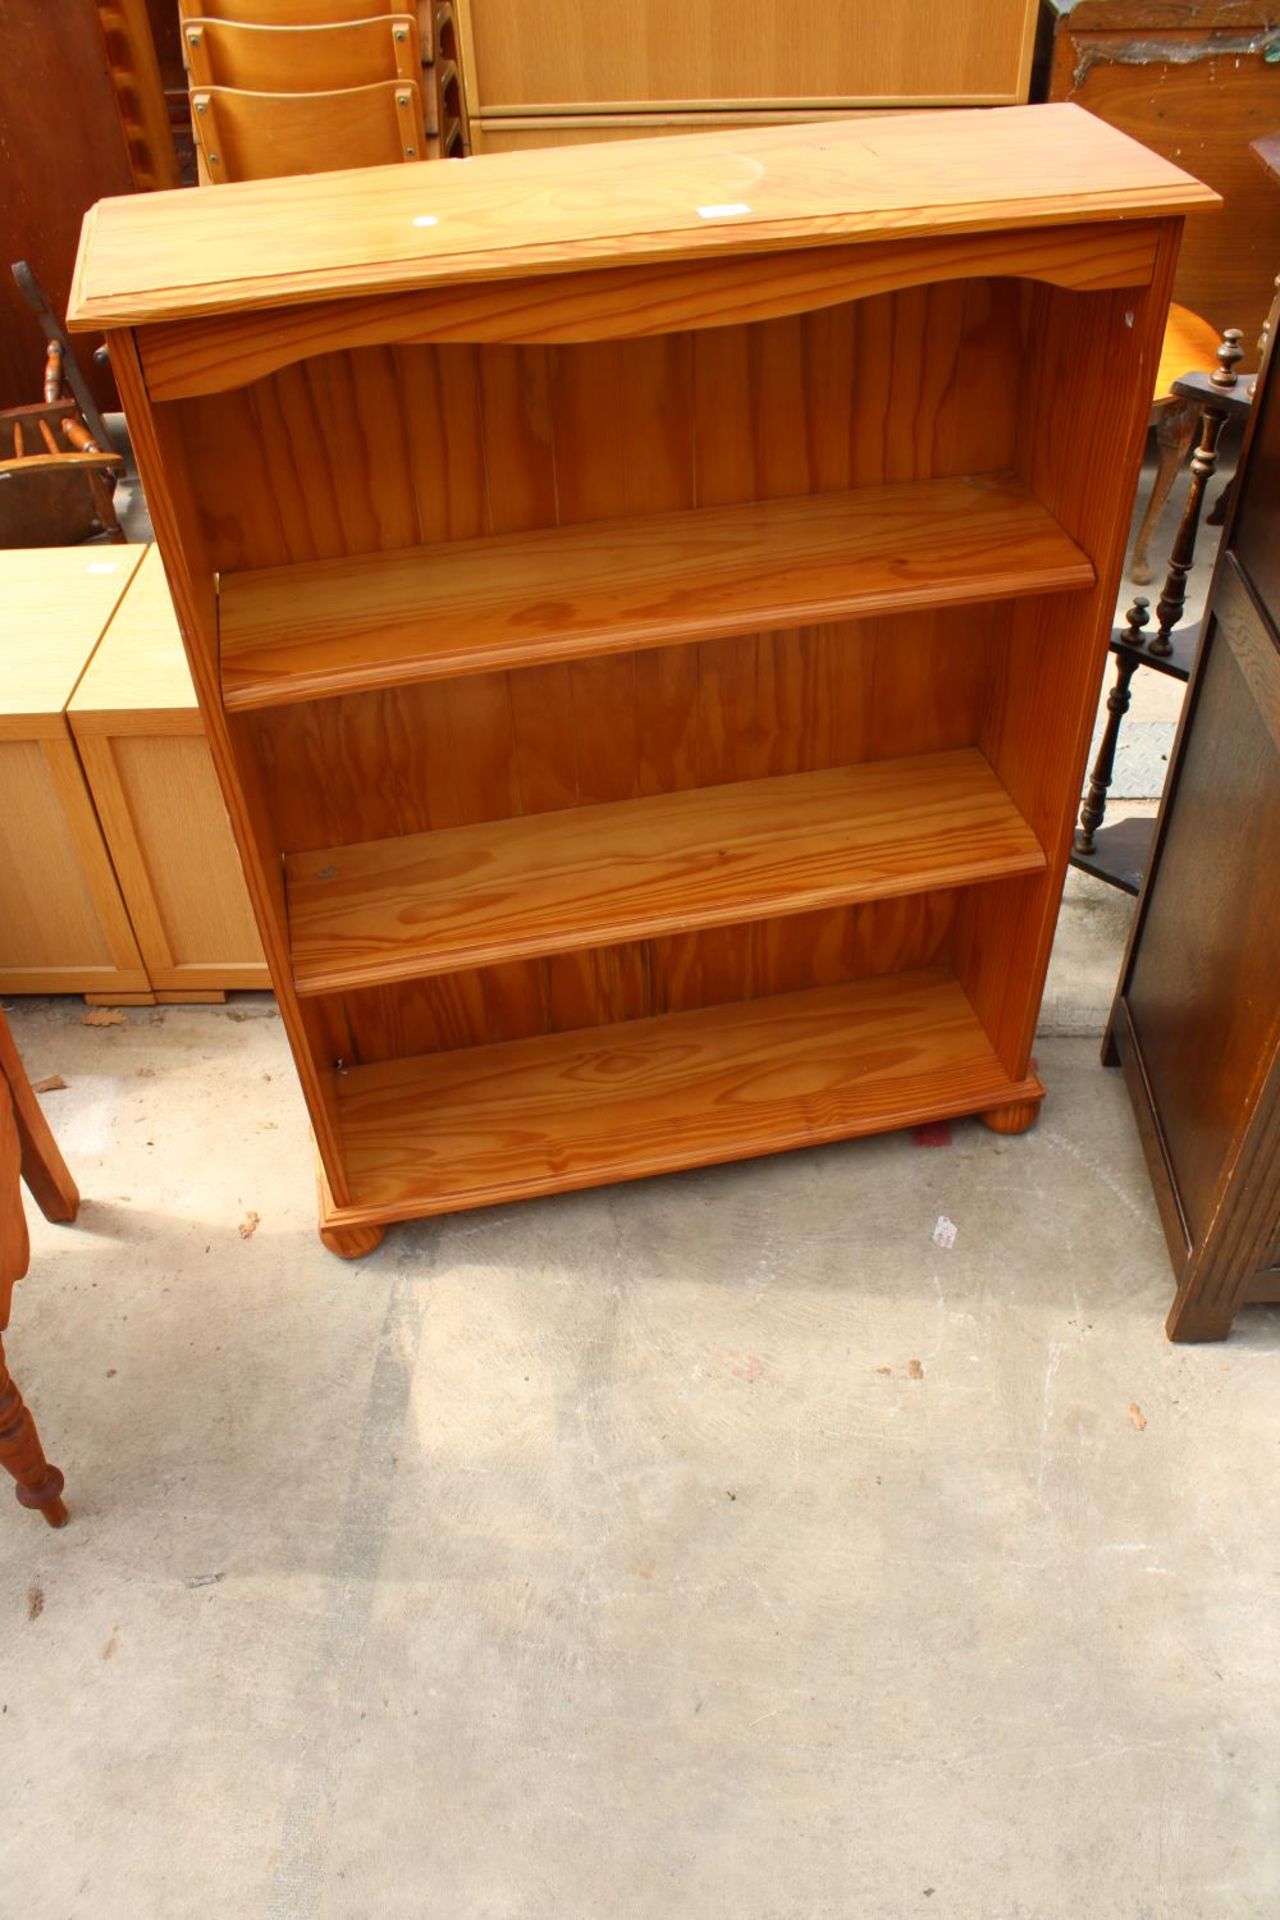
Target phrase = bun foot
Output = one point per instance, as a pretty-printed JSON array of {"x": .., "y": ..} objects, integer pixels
[
  {"x": 1015, "y": 1118},
  {"x": 352, "y": 1243}
]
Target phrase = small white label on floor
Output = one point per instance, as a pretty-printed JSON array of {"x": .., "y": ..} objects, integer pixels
[
  {"x": 944, "y": 1234},
  {"x": 722, "y": 210}
]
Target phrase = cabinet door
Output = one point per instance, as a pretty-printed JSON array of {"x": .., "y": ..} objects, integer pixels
[
  {"x": 558, "y": 55},
  {"x": 157, "y": 797},
  {"x": 1197, "y": 1022},
  {"x": 63, "y": 925}
]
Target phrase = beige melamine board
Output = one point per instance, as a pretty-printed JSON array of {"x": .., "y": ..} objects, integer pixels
[
  {"x": 54, "y": 604},
  {"x": 274, "y": 243},
  {"x": 139, "y": 666},
  {"x": 553, "y": 53}
]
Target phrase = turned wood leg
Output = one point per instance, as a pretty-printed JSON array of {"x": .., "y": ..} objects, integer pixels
[
  {"x": 1015, "y": 1118},
  {"x": 352, "y": 1243},
  {"x": 43, "y": 1167},
  {"x": 1174, "y": 429},
  {"x": 1093, "y": 811},
  {"x": 39, "y": 1484},
  {"x": 1204, "y": 463}
]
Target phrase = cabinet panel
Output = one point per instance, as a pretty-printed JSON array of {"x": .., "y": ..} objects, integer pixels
[
  {"x": 63, "y": 925},
  {"x": 565, "y": 54}
]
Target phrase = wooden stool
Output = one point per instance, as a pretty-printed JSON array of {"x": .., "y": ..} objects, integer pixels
[{"x": 28, "y": 1151}]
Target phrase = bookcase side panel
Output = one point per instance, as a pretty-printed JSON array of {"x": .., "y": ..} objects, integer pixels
[
  {"x": 172, "y": 498},
  {"x": 1091, "y": 369}
]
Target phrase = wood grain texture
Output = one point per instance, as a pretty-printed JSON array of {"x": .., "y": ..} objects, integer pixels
[
  {"x": 1092, "y": 368},
  {"x": 179, "y": 532},
  {"x": 273, "y": 243},
  {"x": 501, "y": 133},
  {"x": 1193, "y": 82},
  {"x": 54, "y": 56},
  {"x": 63, "y": 923},
  {"x": 257, "y": 136},
  {"x": 673, "y": 973},
  {"x": 1196, "y": 1020},
  {"x": 619, "y": 556},
  {"x": 171, "y": 846},
  {"x": 321, "y": 459},
  {"x": 500, "y": 1123},
  {"x": 141, "y": 743},
  {"x": 549, "y": 55},
  {"x": 353, "y": 625},
  {"x": 374, "y": 766},
  {"x": 323, "y": 58},
  {"x": 187, "y": 357},
  {"x": 48, "y": 1178},
  {"x": 589, "y": 876}
]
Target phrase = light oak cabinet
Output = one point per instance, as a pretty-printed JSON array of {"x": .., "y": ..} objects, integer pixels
[
  {"x": 141, "y": 742},
  {"x": 64, "y": 927},
  {"x": 119, "y": 876},
  {"x": 649, "y": 622},
  {"x": 565, "y": 56}
]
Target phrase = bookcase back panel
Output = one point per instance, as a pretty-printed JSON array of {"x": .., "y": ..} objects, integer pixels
[
  {"x": 494, "y": 746},
  {"x": 376, "y": 448},
  {"x": 603, "y": 985}
]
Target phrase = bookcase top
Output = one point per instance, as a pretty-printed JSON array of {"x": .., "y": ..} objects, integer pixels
[{"x": 152, "y": 257}]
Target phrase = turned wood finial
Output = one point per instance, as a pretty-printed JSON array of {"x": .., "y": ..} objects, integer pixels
[
  {"x": 1135, "y": 620},
  {"x": 1230, "y": 354}
]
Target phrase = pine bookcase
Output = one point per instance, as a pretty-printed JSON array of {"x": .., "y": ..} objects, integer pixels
[{"x": 648, "y": 606}]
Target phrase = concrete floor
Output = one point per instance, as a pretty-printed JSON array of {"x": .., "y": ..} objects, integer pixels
[{"x": 725, "y": 1545}]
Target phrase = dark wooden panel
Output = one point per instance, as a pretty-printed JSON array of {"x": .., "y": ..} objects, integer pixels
[
  {"x": 61, "y": 148},
  {"x": 1255, "y": 534},
  {"x": 1189, "y": 78},
  {"x": 1206, "y": 979},
  {"x": 1196, "y": 1024}
]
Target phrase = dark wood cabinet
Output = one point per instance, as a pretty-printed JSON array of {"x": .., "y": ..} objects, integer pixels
[
  {"x": 1196, "y": 81},
  {"x": 1196, "y": 1023}
]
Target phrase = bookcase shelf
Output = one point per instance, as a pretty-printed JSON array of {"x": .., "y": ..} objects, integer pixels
[
  {"x": 649, "y": 630},
  {"x": 425, "y": 903},
  {"x": 380, "y": 620},
  {"x": 489, "y": 1124}
]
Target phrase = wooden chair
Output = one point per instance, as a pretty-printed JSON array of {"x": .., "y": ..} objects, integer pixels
[
  {"x": 55, "y": 480},
  {"x": 1189, "y": 342},
  {"x": 256, "y": 136},
  {"x": 28, "y": 1151},
  {"x": 311, "y": 13},
  {"x": 322, "y": 59},
  {"x": 451, "y": 96}
]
